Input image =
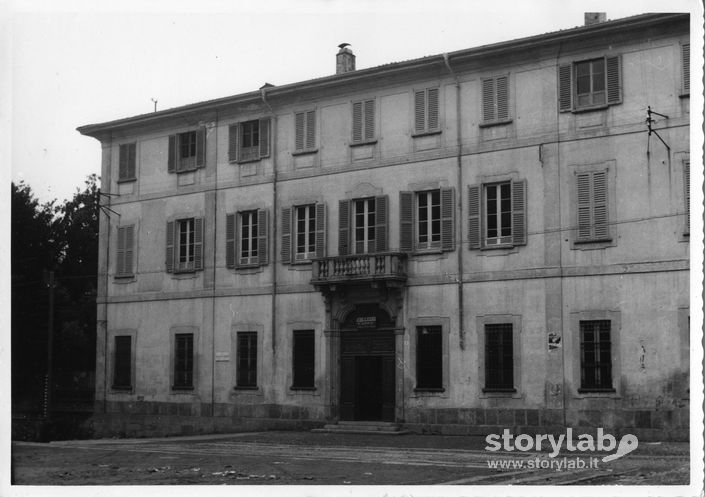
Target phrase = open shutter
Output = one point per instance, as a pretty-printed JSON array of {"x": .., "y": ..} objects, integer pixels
[
  {"x": 320, "y": 230},
  {"x": 406, "y": 221},
  {"x": 262, "y": 237},
  {"x": 614, "y": 83},
  {"x": 474, "y": 226},
  {"x": 420, "y": 111},
  {"x": 381, "y": 217},
  {"x": 584, "y": 206},
  {"x": 600, "y": 207},
  {"x": 122, "y": 171},
  {"x": 369, "y": 120},
  {"x": 311, "y": 130},
  {"x": 357, "y": 122},
  {"x": 198, "y": 243},
  {"x": 344, "y": 227},
  {"x": 519, "y": 212},
  {"x": 433, "y": 109},
  {"x": 170, "y": 226},
  {"x": 201, "y": 146},
  {"x": 171, "y": 164},
  {"x": 685, "y": 65},
  {"x": 230, "y": 240},
  {"x": 686, "y": 182},
  {"x": 120, "y": 259},
  {"x": 565, "y": 87},
  {"x": 448, "y": 218},
  {"x": 286, "y": 235},
  {"x": 232, "y": 142},
  {"x": 503, "y": 98},
  {"x": 132, "y": 161},
  {"x": 299, "y": 131},
  {"x": 129, "y": 250},
  {"x": 488, "y": 104},
  {"x": 264, "y": 128}
]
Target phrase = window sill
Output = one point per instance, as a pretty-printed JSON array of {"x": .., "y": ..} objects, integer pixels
[
  {"x": 249, "y": 269},
  {"x": 126, "y": 180},
  {"x": 580, "y": 110},
  {"x": 304, "y": 152},
  {"x": 303, "y": 389},
  {"x": 684, "y": 95},
  {"x": 248, "y": 389},
  {"x": 429, "y": 390},
  {"x": 124, "y": 278},
  {"x": 123, "y": 390},
  {"x": 499, "y": 246},
  {"x": 246, "y": 161},
  {"x": 187, "y": 170},
  {"x": 187, "y": 273},
  {"x": 302, "y": 262},
  {"x": 426, "y": 133},
  {"x": 182, "y": 389},
  {"x": 597, "y": 392},
  {"x": 429, "y": 251},
  {"x": 593, "y": 240},
  {"x": 363, "y": 143},
  {"x": 489, "y": 124}
]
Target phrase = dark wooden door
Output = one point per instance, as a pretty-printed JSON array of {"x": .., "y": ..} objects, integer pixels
[
  {"x": 388, "y": 388},
  {"x": 347, "y": 388}
]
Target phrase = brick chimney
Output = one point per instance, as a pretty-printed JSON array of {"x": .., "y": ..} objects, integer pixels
[
  {"x": 344, "y": 60},
  {"x": 595, "y": 18}
]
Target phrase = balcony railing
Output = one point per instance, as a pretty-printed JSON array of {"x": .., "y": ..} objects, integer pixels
[{"x": 388, "y": 266}]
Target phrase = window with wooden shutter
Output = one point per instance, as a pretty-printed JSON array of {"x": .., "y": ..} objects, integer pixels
[
  {"x": 305, "y": 131},
  {"x": 183, "y": 361},
  {"x": 495, "y": 99},
  {"x": 474, "y": 225},
  {"x": 122, "y": 363},
  {"x": 363, "y": 121},
  {"x": 590, "y": 83},
  {"x": 406, "y": 221},
  {"x": 170, "y": 235},
  {"x": 427, "y": 220},
  {"x": 125, "y": 251},
  {"x": 304, "y": 359},
  {"x": 127, "y": 162},
  {"x": 344, "y": 227},
  {"x": 252, "y": 238},
  {"x": 429, "y": 358},
  {"x": 686, "y": 185},
  {"x": 249, "y": 141},
  {"x": 184, "y": 245},
  {"x": 499, "y": 357},
  {"x": 592, "y": 206},
  {"x": 426, "y": 111},
  {"x": 519, "y": 235},
  {"x": 685, "y": 69},
  {"x": 381, "y": 223},
  {"x": 246, "y": 359},
  {"x": 497, "y": 214},
  {"x": 187, "y": 151},
  {"x": 230, "y": 227},
  {"x": 320, "y": 230},
  {"x": 287, "y": 222}
]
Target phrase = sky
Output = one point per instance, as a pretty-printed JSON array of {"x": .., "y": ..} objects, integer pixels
[{"x": 72, "y": 63}]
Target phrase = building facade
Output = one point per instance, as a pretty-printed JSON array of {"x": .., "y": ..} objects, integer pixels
[{"x": 486, "y": 238}]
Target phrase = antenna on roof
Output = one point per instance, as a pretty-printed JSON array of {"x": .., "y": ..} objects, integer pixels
[{"x": 155, "y": 103}]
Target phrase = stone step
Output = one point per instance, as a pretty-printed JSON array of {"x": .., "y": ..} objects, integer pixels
[{"x": 363, "y": 427}]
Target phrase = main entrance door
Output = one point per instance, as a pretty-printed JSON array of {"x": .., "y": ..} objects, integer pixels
[{"x": 367, "y": 366}]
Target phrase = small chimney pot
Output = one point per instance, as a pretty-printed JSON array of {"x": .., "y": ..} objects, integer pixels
[
  {"x": 595, "y": 18},
  {"x": 344, "y": 60}
]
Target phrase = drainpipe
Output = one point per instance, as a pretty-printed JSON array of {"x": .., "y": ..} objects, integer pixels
[
  {"x": 459, "y": 211},
  {"x": 275, "y": 211},
  {"x": 215, "y": 245}
]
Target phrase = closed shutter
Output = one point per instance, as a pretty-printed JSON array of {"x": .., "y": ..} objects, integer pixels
[
  {"x": 170, "y": 247},
  {"x": 344, "y": 227},
  {"x": 262, "y": 237},
  {"x": 600, "y": 208},
  {"x": 311, "y": 129},
  {"x": 122, "y": 171},
  {"x": 584, "y": 206},
  {"x": 488, "y": 104},
  {"x": 230, "y": 240},
  {"x": 201, "y": 147},
  {"x": 474, "y": 225},
  {"x": 369, "y": 120},
  {"x": 614, "y": 83},
  {"x": 198, "y": 243},
  {"x": 132, "y": 161},
  {"x": 420, "y": 111},
  {"x": 299, "y": 131},
  {"x": 320, "y": 230},
  {"x": 381, "y": 217},
  {"x": 232, "y": 143},
  {"x": 286, "y": 234},
  {"x": 519, "y": 212},
  {"x": 502, "y": 98},
  {"x": 357, "y": 122},
  {"x": 565, "y": 87},
  {"x": 406, "y": 221},
  {"x": 264, "y": 129},
  {"x": 171, "y": 164},
  {"x": 685, "y": 65},
  {"x": 447, "y": 218},
  {"x": 129, "y": 249},
  {"x": 120, "y": 259},
  {"x": 433, "y": 109}
]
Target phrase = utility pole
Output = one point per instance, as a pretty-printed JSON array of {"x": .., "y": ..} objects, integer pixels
[{"x": 50, "y": 345}]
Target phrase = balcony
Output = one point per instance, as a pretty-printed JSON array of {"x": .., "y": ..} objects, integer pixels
[{"x": 388, "y": 267}]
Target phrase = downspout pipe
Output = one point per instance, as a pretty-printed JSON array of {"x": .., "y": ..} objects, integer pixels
[
  {"x": 275, "y": 212},
  {"x": 459, "y": 207}
]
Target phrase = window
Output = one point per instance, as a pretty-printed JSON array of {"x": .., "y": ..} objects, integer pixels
[
  {"x": 304, "y": 359},
  {"x": 592, "y": 211},
  {"x": 305, "y": 132},
  {"x": 247, "y": 359},
  {"x": 590, "y": 83},
  {"x": 187, "y": 151},
  {"x": 499, "y": 357},
  {"x": 362, "y": 222},
  {"x": 248, "y": 141},
  {"x": 495, "y": 99},
  {"x": 128, "y": 160},
  {"x": 184, "y": 249},
  {"x": 686, "y": 184},
  {"x": 429, "y": 358},
  {"x": 125, "y": 251},
  {"x": 306, "y": 224},
  {"x": 595, "y": 355},
  {"x": 246, "y": 238},
  {"x": 426, "y": 111},
  {"x": 685, "y": 68},
  {"x": 427, "y": 220},
  {"x": 497, "y": 214},
  {"x": 122, "y": 371},
  {"x": 183, "y": 361},
  {"x": 363, "y": 121}
]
